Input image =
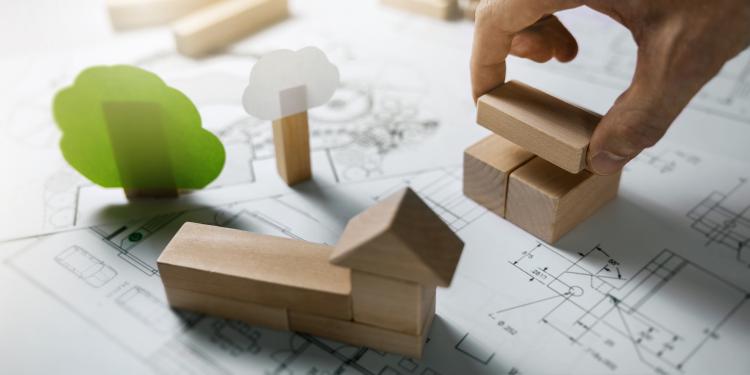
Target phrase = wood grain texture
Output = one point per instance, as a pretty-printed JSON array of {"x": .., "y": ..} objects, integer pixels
[
  {"x": 215, "y": 26},
  {"x": 359, "y": 334},
  {"x": 547, "y": 201},
  {"x": 390, "y": 303},
  {"x": 248, "y": 312},
  {"x": 291, "y": 139},
  {"x": 265, "y": 270},
  {"x": 487, "y": 165},
  {"x": 550, "y": 128},
  {"x": 442, "y": 9},
  {"x": 402, "y": 238},
  {"x": 127, "y": 14}
]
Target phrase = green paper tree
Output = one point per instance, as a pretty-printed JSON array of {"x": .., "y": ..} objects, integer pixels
[{"x": 124, "y": 127}]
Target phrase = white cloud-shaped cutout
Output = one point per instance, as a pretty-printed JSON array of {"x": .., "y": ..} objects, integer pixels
[{"x": 307, "y": 78}]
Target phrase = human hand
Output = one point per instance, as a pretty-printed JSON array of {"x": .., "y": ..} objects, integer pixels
[{"x": 682, "y": 44}]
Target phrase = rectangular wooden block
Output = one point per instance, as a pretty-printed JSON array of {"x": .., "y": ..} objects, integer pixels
[
  {"x": 392, "y": 304},
  {"x": 443, "y": 9},
  {"x": 550, "y": 128},
  {"x": 548, "y": 202},
  {"x": 487, "y": 165},
  {"x": 214, "y": 27},
  {"x": 126, "y": 14},
  {"x": 262, "y": 269},
  {"x": 248, "y": 312},
  {"x": 360, "y": 334}
]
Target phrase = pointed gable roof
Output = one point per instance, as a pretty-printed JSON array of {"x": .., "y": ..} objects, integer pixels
[{"x": 402, "y": 238}]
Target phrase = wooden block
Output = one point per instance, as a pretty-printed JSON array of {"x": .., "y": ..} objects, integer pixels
[
  {"x": 249, "y": 267},
  {"x": 402, "y": 238},
  {"x": 126, "y": 14},
  {"x": 392, "y": 304},
  {"x": 214, "y": 27},
  {"x": 547, "y": 126},
  {"x": 443, "y": 9},
  {"x": 487, "y": 165},
  {"x": 248, "y": 312},
  {"x": 548, "y": 202},
  {"x": 291, "y": 138},
  {"x": 360, "y": 334}
]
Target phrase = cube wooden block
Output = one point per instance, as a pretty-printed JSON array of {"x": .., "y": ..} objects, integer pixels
[
  {"x": 265, "y": 270},
  {"x": 547, "y": 201},
  {"x": 213, "y": 27},
  {"x": 402, "y": 238},
  {"x": 550, "y": 128},
  {"x": 360, "y": 334},
  {"x": 248, "y": 312},
  {"x": 443, "y": 9},
  {"x": 390, "y": 303},
  {"x": 126, "y": 14},
  {"x": 487, "y": 165}
]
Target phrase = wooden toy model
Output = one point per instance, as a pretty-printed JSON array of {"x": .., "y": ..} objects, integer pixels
[
  {"x": 375, "y": 288},
  {"x": 531, "y": 171}
]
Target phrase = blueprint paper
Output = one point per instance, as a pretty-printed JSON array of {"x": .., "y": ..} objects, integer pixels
[
  {"x": 638, "y": 288},
  {"x": 655, "y": 283}
]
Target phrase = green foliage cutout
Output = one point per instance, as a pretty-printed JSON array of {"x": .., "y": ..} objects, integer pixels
[{"x": 124, "y": 127}]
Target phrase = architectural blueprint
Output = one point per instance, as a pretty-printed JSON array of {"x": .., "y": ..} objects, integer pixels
[
  {"x": 657, "y": 282},
  {"x": 638, "y": 288}
]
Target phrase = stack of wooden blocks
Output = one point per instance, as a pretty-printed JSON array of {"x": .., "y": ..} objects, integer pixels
[
  {"x": 532, "y": 170},
  {"x": 375, "y": 288},
  {"x": 200, "y": 27}
]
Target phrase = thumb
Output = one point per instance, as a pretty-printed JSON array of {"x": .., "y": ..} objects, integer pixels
[
  {"x": 632, "y": 124},
  {"x": 642, "y": 114}
]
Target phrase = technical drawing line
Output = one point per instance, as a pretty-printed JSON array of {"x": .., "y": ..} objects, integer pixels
[
  {"x": 528, "y": 303},
  {"x": 592, "y": 276},
  {"x": 716, "y": 328},
  {"x": 615, "y": 301},
  {"x": 73, "y": 310},
  {"x": 333, "y": 166}
]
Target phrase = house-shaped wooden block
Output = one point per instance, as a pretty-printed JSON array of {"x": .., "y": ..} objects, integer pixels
[{"x": 398, "y": 251}]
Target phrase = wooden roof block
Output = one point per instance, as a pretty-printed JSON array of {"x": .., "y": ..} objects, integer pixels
[
  {"x": 402, "y": 238},
  {"x": 266, "y": 270}
]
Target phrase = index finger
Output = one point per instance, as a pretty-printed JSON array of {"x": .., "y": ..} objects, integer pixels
[{"x": 496, "y": 23}]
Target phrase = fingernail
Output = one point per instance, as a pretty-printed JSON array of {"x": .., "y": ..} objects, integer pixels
[{"x": 606, "y": 163}]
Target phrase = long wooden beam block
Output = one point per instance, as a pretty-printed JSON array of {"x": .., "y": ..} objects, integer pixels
[
  {"x": 214, "y": 27},
  {"x": 547, "y": 201},
  {"x": 487, "y": 166},
  {"x": 265, "y": 270},
  {"x": 360, "y": 334},
  {"x": 248, "y": 312},
  {"x": 442, "y": 9},
  {"x": 127, "y": 14},
  {"x": 552, "y": 129}
]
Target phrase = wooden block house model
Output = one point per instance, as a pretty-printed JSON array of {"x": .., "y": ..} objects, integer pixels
[
  {"x": 532, "y": 170},
  {"x": 375, "y": 288}
]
